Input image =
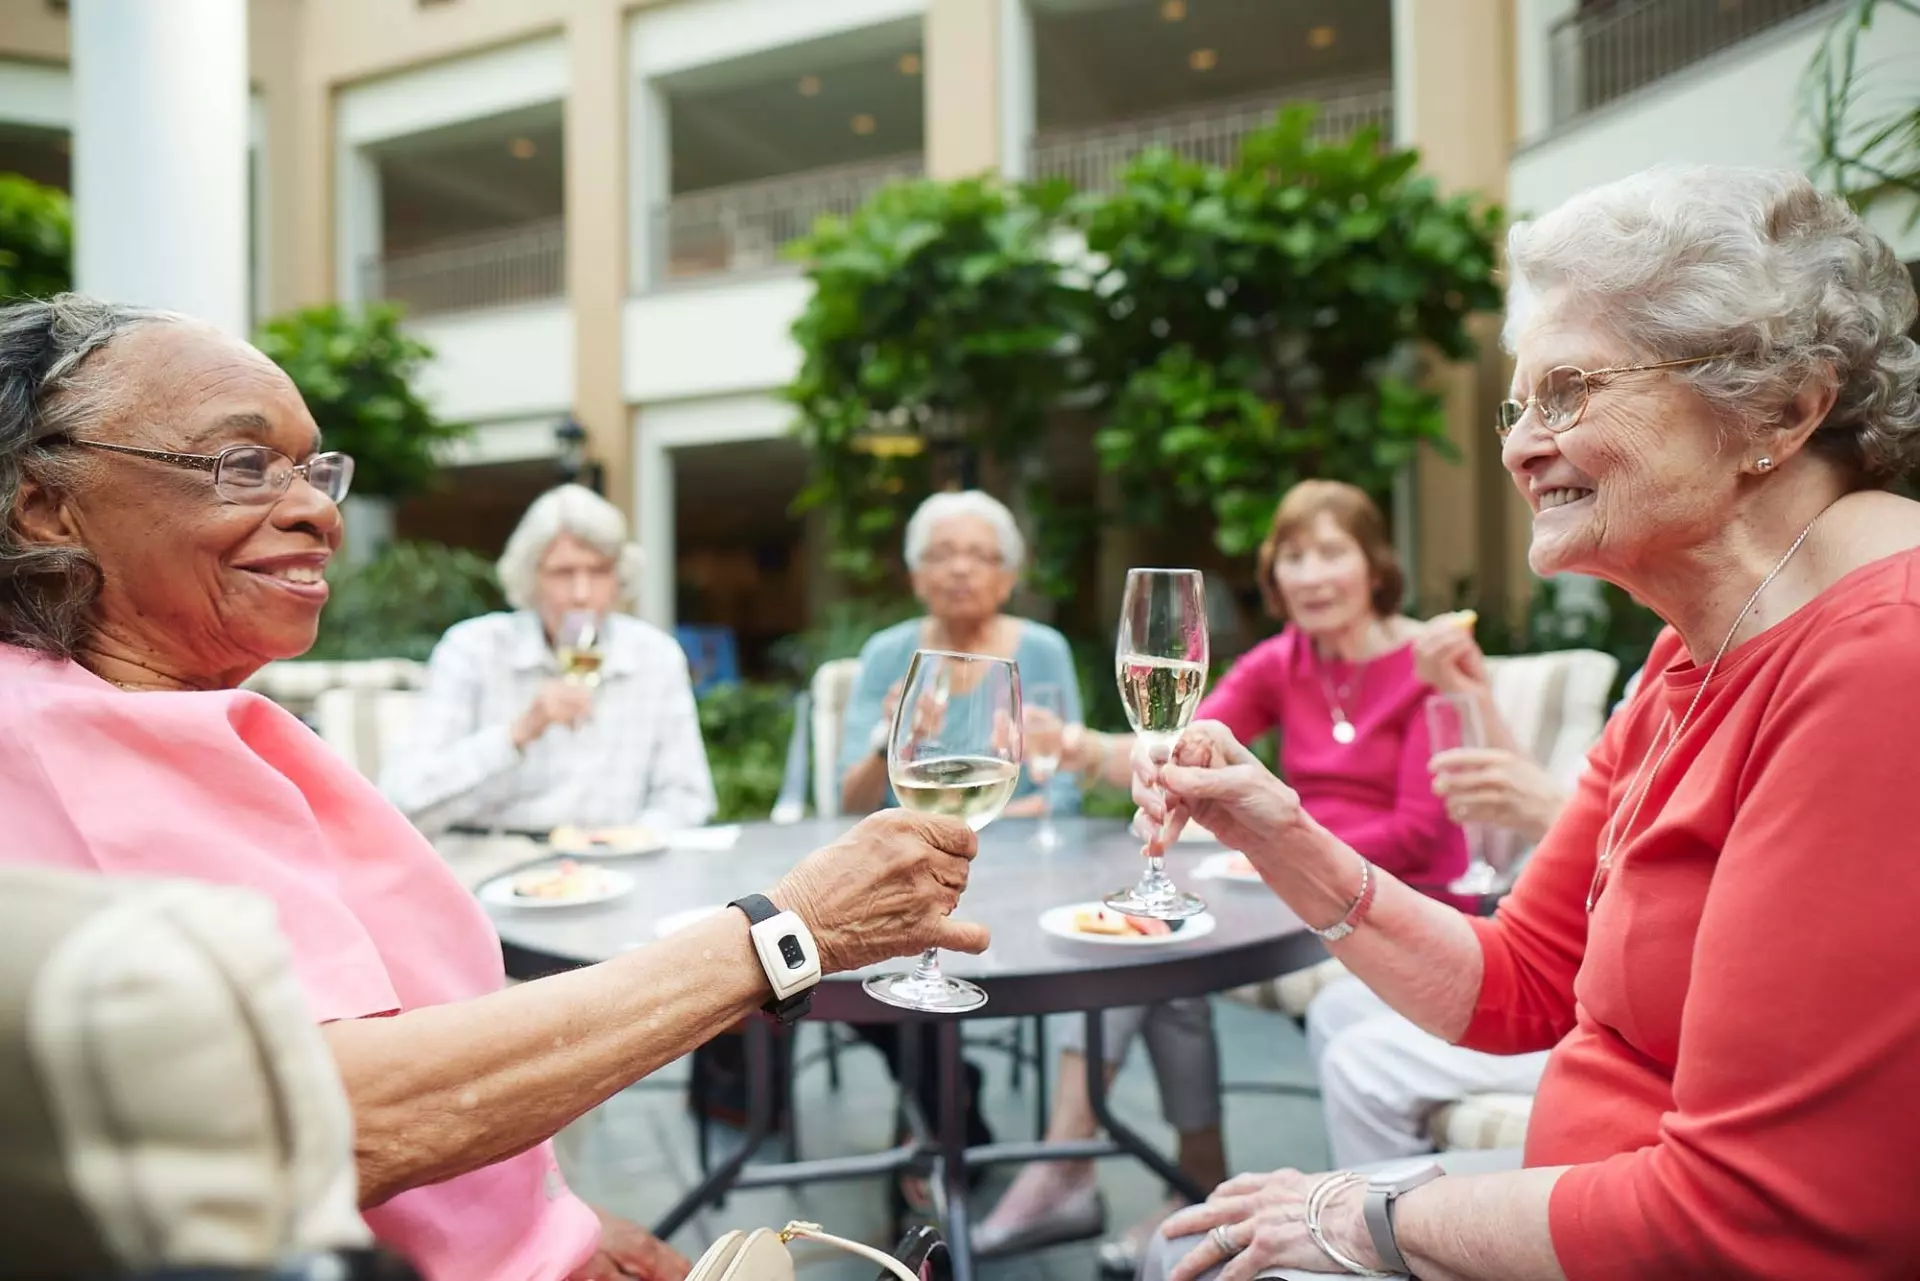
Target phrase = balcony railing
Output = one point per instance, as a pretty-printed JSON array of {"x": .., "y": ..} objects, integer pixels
[
  {"x": 745, "y": 226},
  {"x": 492, "y": 269},
  {"x": 1609, "y": 48},
  {"x": 1092, "y": 158}
]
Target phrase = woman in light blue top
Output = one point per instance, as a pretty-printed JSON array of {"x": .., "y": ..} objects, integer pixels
[{"x": 964, "y": 551}]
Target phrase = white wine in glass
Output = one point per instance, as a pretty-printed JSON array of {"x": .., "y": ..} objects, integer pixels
[
  {"x": 577, "y": 647},
  {"x": 954, "y": 749},
  {"x": 1046, "y": 713},
  {"x": 1160, "y": 661}
]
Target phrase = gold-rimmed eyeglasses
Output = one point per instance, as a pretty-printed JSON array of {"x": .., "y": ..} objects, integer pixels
[
  {"x": 1561, "y": 394},
  {"x": 251, "y": 474}
]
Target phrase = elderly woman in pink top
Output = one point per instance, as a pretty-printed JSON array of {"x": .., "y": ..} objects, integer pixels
[
  {"x": 1338, "y": 685},
  {"x": 166, "y": 518}
]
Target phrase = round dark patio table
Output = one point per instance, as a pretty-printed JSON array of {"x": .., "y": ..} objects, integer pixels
[{"x": 1025, "y": 972}]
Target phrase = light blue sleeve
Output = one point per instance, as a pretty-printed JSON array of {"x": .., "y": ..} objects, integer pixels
[
  {"x": 1052, "y": 664},
  {"x": 881, "y": 664}
]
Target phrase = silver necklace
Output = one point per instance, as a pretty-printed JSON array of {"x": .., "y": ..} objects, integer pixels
[
  {"x": 1344, "y": 732},
  {"x": 1613, "y": 839}
]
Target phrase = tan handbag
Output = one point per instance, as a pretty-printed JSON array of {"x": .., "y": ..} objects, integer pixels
[{"x": 761, "y": 1255}]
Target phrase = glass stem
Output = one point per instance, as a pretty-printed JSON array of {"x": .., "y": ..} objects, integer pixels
[{"x": 928, "y": 969}]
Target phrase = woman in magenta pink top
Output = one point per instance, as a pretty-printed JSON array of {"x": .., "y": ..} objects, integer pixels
[
  {"x": 165, "y": 523},
  {"x": 1338, "y": 686}
]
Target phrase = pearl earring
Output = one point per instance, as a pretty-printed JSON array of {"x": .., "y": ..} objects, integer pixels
[{"x": 1763, "y": 464}]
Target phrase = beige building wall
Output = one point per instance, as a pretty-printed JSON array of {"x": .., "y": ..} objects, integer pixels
[
  {"x": 1455, "y": 99},
  {"x": 962, "y": 41}
]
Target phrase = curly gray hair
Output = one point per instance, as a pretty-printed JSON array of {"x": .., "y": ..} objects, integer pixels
[
  {"x": 966, "y": 502},
  {"x": 1682, "y": 261},
  {"x": 569, "y": 509},
  {"x": 48, "y": 390}
]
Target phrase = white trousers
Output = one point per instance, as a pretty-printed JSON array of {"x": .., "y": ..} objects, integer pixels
[{"x": 1381, "y": 1077}]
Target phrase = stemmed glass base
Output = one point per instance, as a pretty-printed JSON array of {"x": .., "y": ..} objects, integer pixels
[
  {"x": 926, "y": 989},
  {"x": 1480, "y": 878},
  {"x": 1157, "y": 897}
]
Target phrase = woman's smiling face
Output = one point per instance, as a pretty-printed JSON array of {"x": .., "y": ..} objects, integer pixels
[{"x": 1645, "y": 471}]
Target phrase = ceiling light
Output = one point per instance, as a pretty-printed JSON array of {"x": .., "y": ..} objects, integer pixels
[
  {"x": 521, "y": 148},
  {"x": 863, "y": 124},
  {"x": 909, "y": 64},
  {"x": 1203, "y": 60},
  {"x": 1320, "y": 37},
  {"x": 809, "y": 86},
  {"x": 1173, "y": 10}
]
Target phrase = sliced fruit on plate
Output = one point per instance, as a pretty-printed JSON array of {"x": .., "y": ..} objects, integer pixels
[{"x": 565, "y": 879}]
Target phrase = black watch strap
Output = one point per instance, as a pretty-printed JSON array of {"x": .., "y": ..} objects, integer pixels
[{"x": 758, "y": 908}]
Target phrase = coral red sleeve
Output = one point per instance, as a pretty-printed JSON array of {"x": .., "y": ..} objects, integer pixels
[{"x": 1793, "y": 1142}]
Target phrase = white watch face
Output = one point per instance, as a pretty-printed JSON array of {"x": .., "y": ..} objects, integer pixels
[
  {"x": 1403, "y": 1176},
  {"x": 787, "y": 954}
]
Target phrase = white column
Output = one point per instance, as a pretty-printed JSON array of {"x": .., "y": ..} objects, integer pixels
[
  {"x": 1016, "y": 83},
  {"x": 160, "y": 155},
  {"x": 358, "y": 234},
  {"x": 650, "y": 182},
  {"x": 1540, "y": 81},
  {"x": 653, "y": 500}
]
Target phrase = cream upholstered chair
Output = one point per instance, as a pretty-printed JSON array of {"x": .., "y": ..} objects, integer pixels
[
  {"x": 365, "y": 724},
  {"x": 832, "y": 687},
  {"x": 167, "y": 1101}
]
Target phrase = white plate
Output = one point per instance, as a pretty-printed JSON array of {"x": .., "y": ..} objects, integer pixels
[
  {"x": 608, "y": 884},
  {"x": 681, "y": 920},
  {"x": 1058, "y": 922},
  {"x": 628, "y": 842},
  {"x": 1227, "y": 866}
]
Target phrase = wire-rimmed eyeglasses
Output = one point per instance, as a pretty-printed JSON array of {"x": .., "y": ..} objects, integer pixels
[
  {"x": 1562, "y": 393},
  {"x": 251, "y": 474}
]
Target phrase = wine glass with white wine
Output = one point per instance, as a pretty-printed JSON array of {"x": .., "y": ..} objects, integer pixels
[
  {"x": 1160, "y": 660},
  {"x": 577, "y": 647},
  {"x": 954, "y": 749}
]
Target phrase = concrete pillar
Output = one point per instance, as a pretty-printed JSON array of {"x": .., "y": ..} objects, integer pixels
[
  {"x": 597, "y": 232},
  {"x": 650, "y": 162},
  {"x": 359, "y": 236},
  {"x": 160, "y": 155},
  {"x": 1454, "y": 99},
  {"x": 963, "y": 112},
  {"x": 1015, "y": 88}
]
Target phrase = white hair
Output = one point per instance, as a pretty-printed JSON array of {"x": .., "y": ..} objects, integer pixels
[
  {"x": 575, "y": 510},
  {"x": 969, "y": 502},
  {"x": 1757, "y": 264}
]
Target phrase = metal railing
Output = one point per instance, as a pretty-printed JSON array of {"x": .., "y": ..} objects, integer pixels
[
  {"x": 745, "y": 226},
  {"x": 491, "y": 269},
  {"x": 1091, "y": 158},
  {"x": 1607, "y": 49}
]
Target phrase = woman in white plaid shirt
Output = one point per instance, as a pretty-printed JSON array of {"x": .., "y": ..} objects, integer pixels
[{"x": 503, "y": 741}]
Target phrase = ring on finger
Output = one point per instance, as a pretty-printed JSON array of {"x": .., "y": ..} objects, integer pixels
[{"x": 1222, "y": 1238}]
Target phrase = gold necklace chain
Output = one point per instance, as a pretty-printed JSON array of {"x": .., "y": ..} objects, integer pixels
[{"x": 1612, "y": 841}]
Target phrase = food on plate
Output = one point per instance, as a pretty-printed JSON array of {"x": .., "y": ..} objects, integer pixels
[
  {"x": 1464, "y": 619},
  {"x": 599, "y": 839},
  {"x": 1240, "y": 865},
  {"x": 1100, "y": 920},
  {"x": 565, "y": 879}
]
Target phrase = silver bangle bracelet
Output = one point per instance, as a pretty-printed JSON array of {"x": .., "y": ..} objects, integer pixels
[{"x": 1322, "y": 1193}]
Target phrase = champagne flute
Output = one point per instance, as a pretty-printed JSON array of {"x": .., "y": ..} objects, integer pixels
[
  {"x": 577, "y": 646},
  {"x": 1453, "y": 720},
  {"x": 954, "y": 749},
  {"x": 1046, "y": 724},
  {"x": 1160, "y": 660}
]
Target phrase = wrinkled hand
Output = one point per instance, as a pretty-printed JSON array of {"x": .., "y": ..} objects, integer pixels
[
  {"x": 1446, "y": 656},
  {"x": 885, "y": 889},
  {"x": 628, "y": 1250},
  {"x": 556, "y": 702},
  {"x": 1499, "y": 788},
  {"x": 1265, "y": 1216},
  {"x": 1214, "y": 781}
]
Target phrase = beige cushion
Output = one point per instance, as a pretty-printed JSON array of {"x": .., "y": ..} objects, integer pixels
[
  {"x": 365, "y": 725},
  {"x": 1290, "y": 994},
  {"x": 1480, "y": 1122},
  {"x": 832, "y": 688},
  {"x": 165, "y": 1096},
  {"x": 297, "y": 684}
]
